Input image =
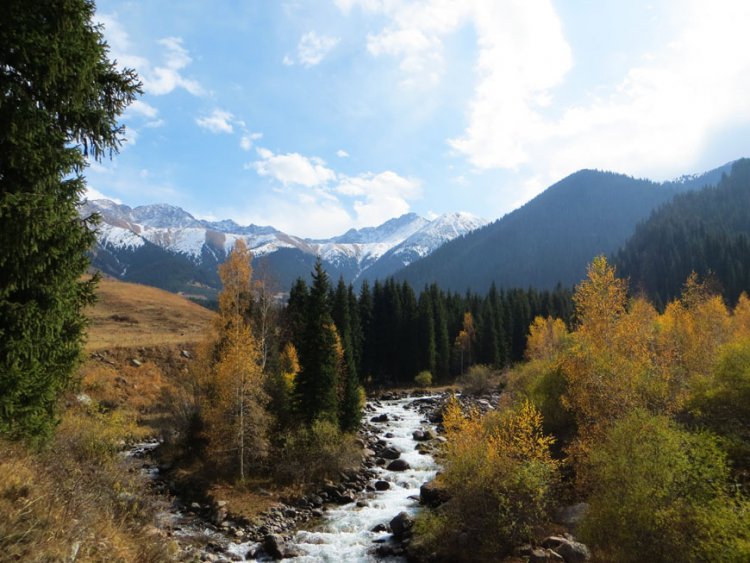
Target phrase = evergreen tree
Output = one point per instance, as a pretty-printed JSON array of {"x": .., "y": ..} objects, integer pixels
[
  {"x": 350, "y": 407},
  {"x": 60, "y": 98},
  {"x": 318, "y": 380},
  {"x": 367, "y": 365},
  {"x": 426, "y": 334}
]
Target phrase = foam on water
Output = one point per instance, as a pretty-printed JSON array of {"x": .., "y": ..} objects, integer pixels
[{"x": 344, "y": 533}]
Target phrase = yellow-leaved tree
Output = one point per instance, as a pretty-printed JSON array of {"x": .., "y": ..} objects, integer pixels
[
  {"x": 233, "y": 402},
  {"x": 499, "y": 474}
]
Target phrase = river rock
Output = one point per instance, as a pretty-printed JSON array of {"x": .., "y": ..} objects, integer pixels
[
  {"x": 422, "y": 435},
  {"x": 390, "y": 453},
  {"x": 273, "y": 545},
  {"x": 380, "y": 418},
  {"x": 401, "y": 524},
  {"x": 433, "y": 494},
  {"x": 571, "y": 551},
  {"x": 382, "y": 485},
  {"x": 398, "y": 465}
]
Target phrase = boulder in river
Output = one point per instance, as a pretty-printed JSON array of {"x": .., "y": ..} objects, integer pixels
[
  {"x": 380, "y": 418},
  {"x": 390, "y": 453},
  {"x": 422, "y": 435},
  {"x": 273, "y": 545},
  {"x": 401, "y": 524},
  {"x": 382, "y": 485},
  {"x": 398, "y": 465}
]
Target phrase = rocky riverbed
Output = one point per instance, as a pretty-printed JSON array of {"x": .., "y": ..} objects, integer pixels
[{"x": 365, "y": 515}]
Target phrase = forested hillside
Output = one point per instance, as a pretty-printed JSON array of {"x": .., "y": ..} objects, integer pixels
[
  {"x": 707, "y": 232},
  {"x": 552, "y": 238}
]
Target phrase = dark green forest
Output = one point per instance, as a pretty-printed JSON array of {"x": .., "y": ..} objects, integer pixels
[
  {"x": 396, "y": 332},
  {"x": 706, "y": 232}
]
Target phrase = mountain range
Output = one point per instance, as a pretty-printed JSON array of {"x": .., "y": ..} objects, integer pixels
[
  {"x": 552, "y": 238},
  {"x": 548, "y": 241},
  {"x": 165, "y": 246}
]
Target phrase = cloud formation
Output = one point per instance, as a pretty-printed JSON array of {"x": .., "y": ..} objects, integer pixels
[
  {"x": 655, "y": 118},
  {"x": 218, "y": 121},
  {"x": 158, "y": 79},
  {"x": 319, "y": 202},
  {"x": 293, "y": 168},
  {"x": 313, "y": 48}
]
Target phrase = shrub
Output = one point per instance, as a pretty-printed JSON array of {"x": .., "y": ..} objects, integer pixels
[
  {"x": 500, "y": 475},
  {"x": 721, "y": 403},
  {"x": 479, "y": 380},
  {"x": 423, "y": 379},
  {"x": 312, "y": 454},
  {"x": 660, "y": 494},
  {"x": 543, "y": 383}
]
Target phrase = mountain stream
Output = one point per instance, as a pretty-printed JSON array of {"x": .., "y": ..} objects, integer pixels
[{"x": 344, "y": 533}]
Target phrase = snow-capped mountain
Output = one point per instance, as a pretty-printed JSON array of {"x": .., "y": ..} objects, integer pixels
[{"x": 154, "y": 243}]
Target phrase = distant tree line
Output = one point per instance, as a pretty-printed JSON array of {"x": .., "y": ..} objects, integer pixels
[{"x": 390, "y": 333}]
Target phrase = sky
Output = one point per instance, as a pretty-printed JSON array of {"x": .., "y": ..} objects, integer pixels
[{"x": 316, "y": 116}]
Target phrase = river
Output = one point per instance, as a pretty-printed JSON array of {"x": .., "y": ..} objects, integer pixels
[{"x": 345, "y": 532}]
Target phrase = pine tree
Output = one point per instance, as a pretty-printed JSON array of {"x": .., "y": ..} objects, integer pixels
[
  {"x": 350, "y": 405},
  {"x": 60, "y": 98},
  {"x": 318, "y": 381}
]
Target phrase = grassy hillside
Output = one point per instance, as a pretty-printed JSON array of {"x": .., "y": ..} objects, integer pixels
[
  {"x": 76, "y": 499},
  {"x": 129, "y": 315}
]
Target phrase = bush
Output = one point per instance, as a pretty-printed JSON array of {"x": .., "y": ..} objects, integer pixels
[
  {"x": 479, "y": 380},
  {"x": 312, "y": 454},
  {"x": 721, "y": 403},
  {"x": 543, "y": 383},
  {"x": 500, "y": 475},
  {"x": 660, "y": 494},
  {"x": 423, "y": 379}
]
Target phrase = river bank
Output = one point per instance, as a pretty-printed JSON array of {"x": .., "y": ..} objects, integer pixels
[{"x": 350, "y": 518}]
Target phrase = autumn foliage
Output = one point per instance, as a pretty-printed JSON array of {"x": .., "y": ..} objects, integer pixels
[
  {"x": 501, "y": 476},
  {"x": 230, "y": 378}
]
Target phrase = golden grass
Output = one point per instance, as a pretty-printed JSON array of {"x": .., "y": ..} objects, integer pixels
[
  {"x": 74, "y": 501},
  {"x": 129, "y": 315}
]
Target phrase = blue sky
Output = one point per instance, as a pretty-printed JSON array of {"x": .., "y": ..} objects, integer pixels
[{"x": 319, "y": 116}]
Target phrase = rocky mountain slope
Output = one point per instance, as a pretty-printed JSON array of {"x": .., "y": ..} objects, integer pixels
[{"x": 165, "y": 246}]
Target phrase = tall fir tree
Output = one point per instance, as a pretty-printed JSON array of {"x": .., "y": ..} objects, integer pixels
[
  {"x": 318, "y": 380},
  {"x": 350, "y": 407},
  {"x": 60, "y": 97}
]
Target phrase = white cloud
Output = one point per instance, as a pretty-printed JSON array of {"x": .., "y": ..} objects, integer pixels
[
  {"x": 651, "y": 122},
  {"x": 379, "y": 197},
  {"x": 219, "y": 121},
  {"x": 522, "y": 56},
  {"x": 246, "y": 142},
  {"x": 92, "y": 194},
  {"x": 158, "y": 79},
  {"x": 316, "y": 201},
  {"x": 141, "y": 108},
  {"x": 341, "y": 153},
  {"x": 155, "y": 124},
  {"x": 287, "y": 61},
  {"x": 293, "y": 168},
  {"x": 313, "y": 48},
  {"x": 164, "y": 79}
]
